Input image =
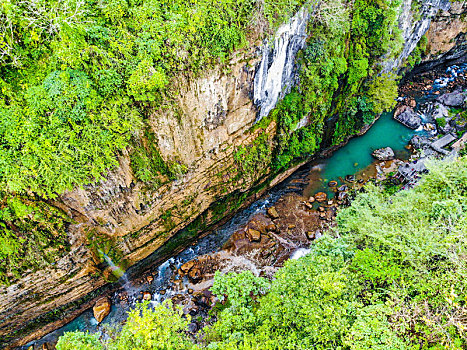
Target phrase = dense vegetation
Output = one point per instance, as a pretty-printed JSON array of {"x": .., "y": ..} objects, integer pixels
[
  {"x": 79, "y": 76},
  {"x": 338, "y": 78},
  {"x": 391, "y": 275}
]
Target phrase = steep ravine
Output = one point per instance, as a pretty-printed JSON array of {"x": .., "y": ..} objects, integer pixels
[{"x": 132, "y": 219}]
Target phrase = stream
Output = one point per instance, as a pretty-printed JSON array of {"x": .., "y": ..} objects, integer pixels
[{"x": 353, "y": 158}]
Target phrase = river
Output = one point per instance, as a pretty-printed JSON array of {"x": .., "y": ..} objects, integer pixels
[{"x": 353, "y": 158}]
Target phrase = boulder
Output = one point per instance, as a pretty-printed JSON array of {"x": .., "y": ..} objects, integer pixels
[
  {"x": 350, "y": 178},
  {"x": 187, "y": 266},
  {"x": 332, "y": 183},
  {"x": 342, "y": 195},
  {"x": 272, "y": 212},
  {"x": 321, "y": 197},
  {"x": 459, "y": 123},
  {"x": 311, "y": 199},
  {"x": 253, "y": 235},
  {"x": 343, "y": 188},
  {"x": 440, "y": 111},
  {"x": 452, "y": 99},
  {"x": 429, "y": 127},
  {"x": 409, "y": 118},
  {"x": 419, "y": 142},
  {"x": 101, "y": 308},
  {"x": 310, "y": 235},
  {"x": 193, "y": 327},
  {"x": 400, "y": 109},
  {"x": 147, "y": 296},
  {"x": 271, "y": 228},
  {"x": 195, "y": 275},
  {"x": 385, "y": 153}
]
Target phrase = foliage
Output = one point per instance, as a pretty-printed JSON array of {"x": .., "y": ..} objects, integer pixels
[
  {"x": 146, "y": 329},
  {"x": 32, "y": 235},
  {"x": 441, "y": 122},
  {"x": 77, "y": 78},
  {"x": 336, "y": 69},
  {"x": 371, "y": 330},
  {"x": 79, "y": 341},
  {"x": 242, "y": 291},
  {"x": 253, "y": 159},
  {"x": 382, "y": 92}
]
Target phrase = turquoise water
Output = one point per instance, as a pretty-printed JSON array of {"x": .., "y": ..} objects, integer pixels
[{"x": 356, "y": 155}]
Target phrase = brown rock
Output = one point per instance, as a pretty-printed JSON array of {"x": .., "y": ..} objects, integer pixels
[
  {"x": 253, "y": 235},
  {"x": 149, "y": 279},
  {"x": 147, "y": 296},
  {"x": 332, "y": 183},
  {"x": 101, "y": 309},
  {"x": 321, "y": 196},
  {"x": 291, "y": 226},
  {"x": 308, "y": 205},
  {"x": 271, "y": 228},
  {"x": 272, "y": 212},
  {"x": 321, "y": 209},
  {"x": 162, "y": 292},
  {"x": 329, "y": 202},
  {"x": 190, "y": 291},
  {"x": 195, "y": 275},
  {"x": 311, "y": 199},
  {"x": 400, "y": 109},
  {"x": 311, "y": 235},
  {"x": 187, "y": 266}
]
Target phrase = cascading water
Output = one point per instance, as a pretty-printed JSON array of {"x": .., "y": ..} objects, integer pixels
[
  {"x": 275, "y": 74},
  {"x": 117, "y": 271}
]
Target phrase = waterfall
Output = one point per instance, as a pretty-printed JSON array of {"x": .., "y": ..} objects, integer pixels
[
  {"x": 117, "y": 271},
  {"x": 276, "y": 72}
]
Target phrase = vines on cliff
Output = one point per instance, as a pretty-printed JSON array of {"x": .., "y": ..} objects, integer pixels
[{"x": 338, "y": 77}]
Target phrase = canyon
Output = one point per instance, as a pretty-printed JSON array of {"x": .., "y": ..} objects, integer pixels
[{"x": 220, "y": 113}]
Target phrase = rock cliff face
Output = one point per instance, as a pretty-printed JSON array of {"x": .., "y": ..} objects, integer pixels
[
  {"x": 414, "y": 22},
  {"x": 446, "y": 39},
  {"x": 131, "y": 220},
  {"x": 136, "y": 219}
]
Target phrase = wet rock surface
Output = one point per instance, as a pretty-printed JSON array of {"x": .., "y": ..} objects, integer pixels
[
  {"x": 383, "y": 153},
  {"x": 101, "y": 309},
  {"x": 453, "y": 99},
  {"x": 409, "y": 118}
]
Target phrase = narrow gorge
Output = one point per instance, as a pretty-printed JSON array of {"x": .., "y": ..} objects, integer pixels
[{"x": 294, "y": 86}]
